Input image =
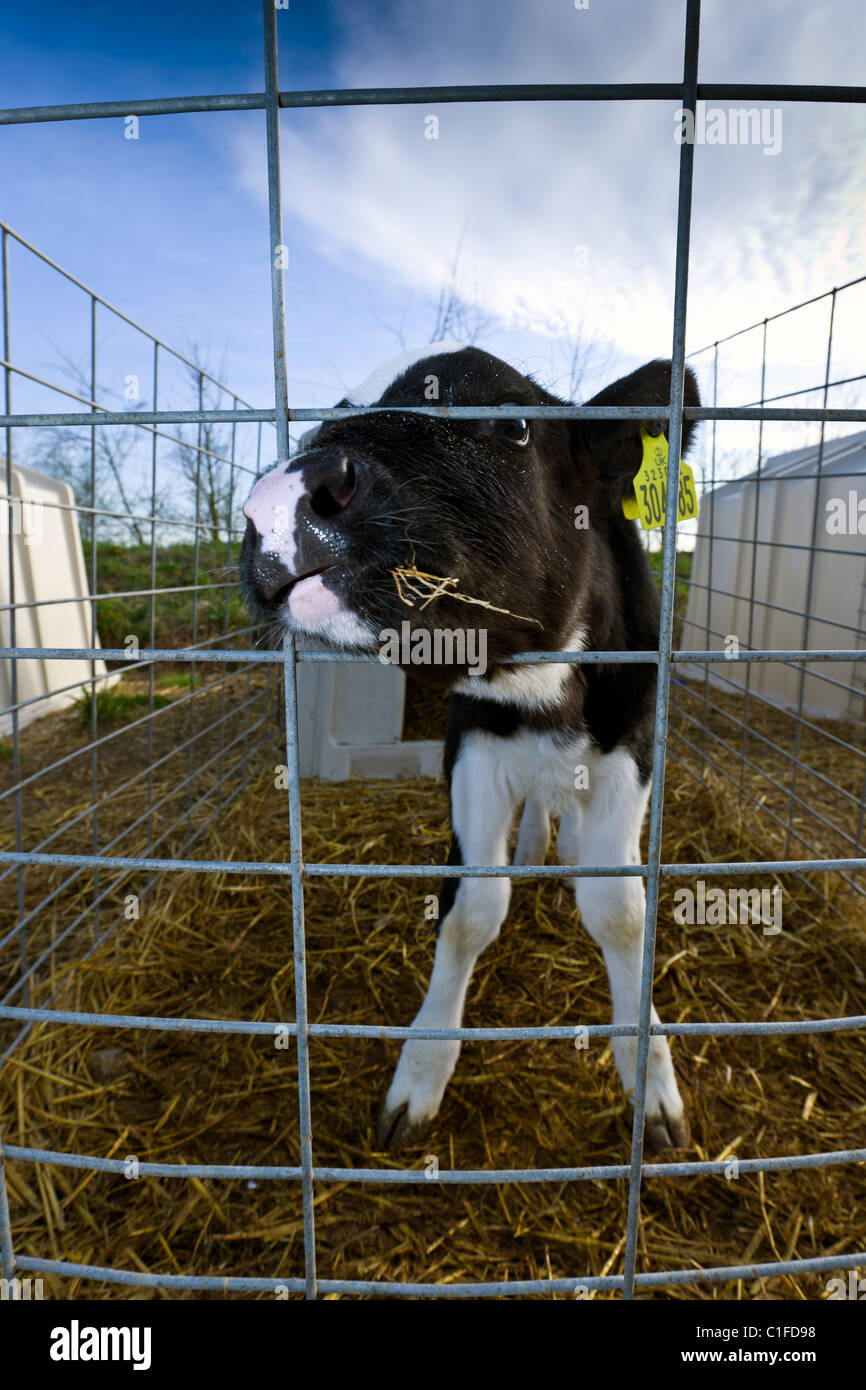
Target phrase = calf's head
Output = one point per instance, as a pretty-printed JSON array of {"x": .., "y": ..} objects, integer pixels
[{"x": 523, "y": 516}]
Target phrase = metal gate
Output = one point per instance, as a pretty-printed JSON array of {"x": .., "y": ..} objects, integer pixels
[{"x": 296, "y": 870}]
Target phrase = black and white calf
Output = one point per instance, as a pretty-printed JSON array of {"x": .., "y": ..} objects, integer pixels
[{"x": 527, "y": 516}]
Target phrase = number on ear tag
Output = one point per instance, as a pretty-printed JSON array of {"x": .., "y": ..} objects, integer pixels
[{"x": 646, "y": 502}]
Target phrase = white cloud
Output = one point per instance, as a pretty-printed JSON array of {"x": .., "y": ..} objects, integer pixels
[{"x": 520, "y": 186}]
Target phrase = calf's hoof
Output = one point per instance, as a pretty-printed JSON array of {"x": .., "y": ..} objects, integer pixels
[
  {"x": 394, "y": 1129},
  {"x": 666, "y": 1131}
]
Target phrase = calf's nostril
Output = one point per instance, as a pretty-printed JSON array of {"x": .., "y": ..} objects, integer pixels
[
  {"x": 271, "y": 579},
  {"x": 332, "y": 495}
]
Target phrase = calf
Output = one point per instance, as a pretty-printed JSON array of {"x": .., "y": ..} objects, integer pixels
[{"x": 524, "y": 516}]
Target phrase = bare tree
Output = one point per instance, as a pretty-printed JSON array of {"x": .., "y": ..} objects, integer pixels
[
  {"x": 98, "y": 469},
  {"x": 577, "y": 356},
  {"x": 454, "y": 314},
  {"x": 584, "y": 356},
  {"x": 458, "y": 315},
  {"x": 108, "y": 475},
  {"x": 203, "y": 453},
  {"x": 97, "y": 479}
]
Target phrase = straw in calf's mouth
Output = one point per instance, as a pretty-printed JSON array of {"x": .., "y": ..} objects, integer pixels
[{"x": 412, "y": 584}]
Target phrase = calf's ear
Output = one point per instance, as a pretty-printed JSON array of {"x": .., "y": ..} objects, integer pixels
[{"x": 613, "y": 447}]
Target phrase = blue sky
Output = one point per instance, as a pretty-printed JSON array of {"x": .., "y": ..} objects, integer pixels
[{"x": 172, "y": 228}]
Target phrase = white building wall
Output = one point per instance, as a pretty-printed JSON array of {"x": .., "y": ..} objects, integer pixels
[{"x": 786, "y": 510}]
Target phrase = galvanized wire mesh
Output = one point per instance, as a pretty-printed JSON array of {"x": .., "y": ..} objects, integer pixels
[
  {"x": 237, "y": 663},
  {"x": 731, "y": 744},
  {"x": 213, "y": 730}
]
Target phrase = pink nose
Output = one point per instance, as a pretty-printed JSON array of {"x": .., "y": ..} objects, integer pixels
[
  {"x": 319, "y": 490},
  {"x": 272, "y": 502}
]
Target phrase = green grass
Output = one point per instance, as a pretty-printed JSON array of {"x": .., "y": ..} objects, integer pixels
[
  {"x": 684, "y": 573},
  {"x": 116, "y": 706},
  {"x": 174, "y": 680},
  {"x": 126, "y": 569}
]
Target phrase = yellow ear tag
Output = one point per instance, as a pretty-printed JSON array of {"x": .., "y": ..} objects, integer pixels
[{"x": 646, "y": 502}]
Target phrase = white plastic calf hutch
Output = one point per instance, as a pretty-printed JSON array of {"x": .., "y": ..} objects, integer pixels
[
  {"x": 51, "y": 604},
  {"x": 719, "y": 594},
  {"x": 350, "y": 721}
]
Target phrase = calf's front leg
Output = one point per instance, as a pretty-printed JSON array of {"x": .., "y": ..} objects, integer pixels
[
  {"x": 481, "y": 813},
  {"x": 613, "y": 910}
]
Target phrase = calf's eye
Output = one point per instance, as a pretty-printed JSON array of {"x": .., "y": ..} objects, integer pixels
[{"x": 514, "y": 431}]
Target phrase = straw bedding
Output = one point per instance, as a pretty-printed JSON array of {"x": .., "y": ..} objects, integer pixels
[{"x": 219, "y": 945}]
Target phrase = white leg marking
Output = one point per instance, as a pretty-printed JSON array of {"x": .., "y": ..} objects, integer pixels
[
  {"x": 612, "y": 910},
  {"x": 482, "y": 803},
  {"x": 533, "y": 840}
]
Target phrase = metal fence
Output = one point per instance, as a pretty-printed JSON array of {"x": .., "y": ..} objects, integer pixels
[
  {"x": 717, "y": 736},
  {"x": 101, "y": 861}
]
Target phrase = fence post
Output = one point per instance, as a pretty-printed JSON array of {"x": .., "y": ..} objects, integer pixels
[
  {"x": 810, "y": 580},
  {"x": 7, "y": 1253},
  {"x": 669, "y": 580},
  {"x": 281, "y": 405}
]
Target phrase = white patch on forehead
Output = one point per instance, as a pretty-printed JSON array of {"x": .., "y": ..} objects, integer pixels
[
  {"x": 370, "y": 390},
  {"x": 533, "y": 687},
  {"x": 374, "y": 386}
]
